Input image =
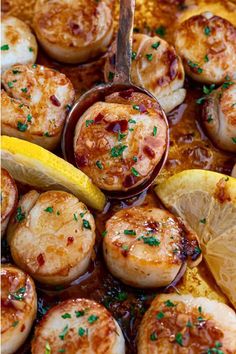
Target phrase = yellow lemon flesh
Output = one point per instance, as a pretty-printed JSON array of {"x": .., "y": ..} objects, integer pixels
[
  {"x": 206, "y": 200},
  {"x": 34, "y": 165}
]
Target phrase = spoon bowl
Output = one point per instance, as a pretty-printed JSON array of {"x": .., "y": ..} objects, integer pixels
[{"x": 121, "y": 83}]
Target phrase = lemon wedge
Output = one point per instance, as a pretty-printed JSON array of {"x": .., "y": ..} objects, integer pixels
[
  {"x": 33, "y": 165},
  {"x": 206, "y": 200}
]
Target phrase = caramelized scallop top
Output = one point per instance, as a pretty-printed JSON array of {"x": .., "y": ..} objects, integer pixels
[
  {"x": 18, "y": 307},
  {"x": 156, "y": 67},
  {"x": 78, "y": 326},
  {"x": 119, "y": 142},
  {"x": 73, "y": 31},
  {"x": 219, "y": 116},
  {"x": 184, "y": 324},
  {"x": 207, "y": 45}
]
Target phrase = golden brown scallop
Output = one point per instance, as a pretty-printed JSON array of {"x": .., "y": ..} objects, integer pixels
[
  {"x": 18, "y": 44},
  {"x": 219, "y": 116},
  {"x": 145, "y": 247},
  {"x": 35, "y": 104},
  {"x": 9, "y": 197},
  {"x": 18, "y": 308},
  {"x": 51, "y": 236},
  {"x": 131, "y": 138},
  {"x": 78, "y": 326},
  {"x": 185, "y": 324},
  {"x": 207, "y": 46},
  {"x": 73, "y": 31},
  {"x": 156, "y": 67}
]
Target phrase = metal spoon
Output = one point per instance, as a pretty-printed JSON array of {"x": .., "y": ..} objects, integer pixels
[{"x": 121, "y": 83}]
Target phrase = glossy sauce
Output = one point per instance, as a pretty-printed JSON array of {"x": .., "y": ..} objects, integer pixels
[{"x": 189, "y": 148}]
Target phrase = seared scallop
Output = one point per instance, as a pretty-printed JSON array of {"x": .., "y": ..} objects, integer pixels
[
  {"x": 131, "y": 138},
  {"x": 9, "y": 196},
  {"x": 73, "y": 31},
  {"x": 219, "y": 116},
  {"x": 51, "y": 236},
  {"x": 207, "y": 46},
  {"x": 186, "y": 324},
  {"x": 77, "y": 327},
  {"x": 18, "y": 308},
  {"x": 156, "y": 67},
  {"x": 145, "y": 247},
  {"x": 18, "y": 44},
  {"x": 35, "y": 104}
]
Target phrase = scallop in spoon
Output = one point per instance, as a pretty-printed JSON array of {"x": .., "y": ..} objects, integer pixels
[{"x": 117, "y": 133}]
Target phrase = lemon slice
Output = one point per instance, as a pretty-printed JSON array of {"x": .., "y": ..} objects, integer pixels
[
  {"x": 32, "y": 164},
  {"x": 206, "y": 200}
]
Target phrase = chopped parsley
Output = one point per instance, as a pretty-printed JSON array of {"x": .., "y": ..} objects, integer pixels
[
  {"x": 19, "y": 215},
  {"x": 151, "y": 241},
  {"x": 15, "y": 323},
  {"x": 160, "y": 315},
  {"x": 153, "y": 336},
  {"x": 121, "y": 136},
  {"x": 47, "y": 348},
  {"x": 234, "y": 140},
  {"x": 200, "y": 100},
  {"x": 66, "y": 315},
  {"x": 197, "y": 250},
  {"x": 10, "y": 84},
  {"x": 111, "y": 76},
  {"x": 19, "y": 294},
  {"x": 179, "y": 338},
  {"x": 118, "y": 150},
  {"x": 200, "y": 309},
  {"x": 134, "y": 172},
  {"x": 206, "y": 59},
  {"x": 134, "y": 55},
  {"x": 82, "y": 214},
  {"x": 49, "y": 209},
  {"x": 92, "y": 319},
  {"x": 227, "y": 84},
  {"x": 68, "y": 107},
  {"x": 122, "y": 296},
  {"x": 209, "y": 118},
  {"x": 86, "y": 224},
  {"x": 34, "y": 66},
  {"x": 154, "y": 131},
  {"x": 135, "y": 158},
  {"x": 161, "y": 31},
  {"x": 156, "y": 45},
  {"x": 169, "y": 303},
  {"x": 89, "y": 122},
  {"x": 104, "y": 233},
  {"x": 130, "y": 232},
  {"x": 79, "y": 313},
  {"x": 24, "y": 89},
  {"x": 149, "y": 57},
  {"x": 195, "y": 65},
  {"x": 132, "y": 120},
  {"x": 5, "y": 47},
  {"x": 202, "y": 221},
  {"x": 64, "y": 332},
  {"x": 75, "y": 217},
  {"x": 207, "y": 31},
  {"x": 81, "y": 331},
  {"x": 29, "y": 118},
  {"x": 31, "y": 49},
  {"x": 189, "y": 324},
  {"x": 208, "y": 90},
  {"x": 61, "y": 351},
  {"x": 22, "y": 127},
  {"x": 135, "y": 106},
  {"x": 99, "y": 165},
  {"x": 46, "y": 134}
]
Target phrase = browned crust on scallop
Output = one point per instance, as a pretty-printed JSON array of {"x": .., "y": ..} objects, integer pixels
[{"x": 9, "y": 195}]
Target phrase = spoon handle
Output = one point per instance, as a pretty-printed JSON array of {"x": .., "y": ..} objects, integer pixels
[{"x": 124, "y": 42}]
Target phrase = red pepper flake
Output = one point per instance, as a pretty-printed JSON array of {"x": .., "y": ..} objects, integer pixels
[
  {"x": 129, "y": 181},
  {"x": 153, "y": 226},
  {"x": 149, "y": 152},
  {"x": 40, "y": 259},
  {"x": 81, "y": 161},
  {"x": 118, "y": 126},
  {"x": 99, "y": 117},
  {"x": 126, "y": 94},
  {"x": 70, "y": 240},
  {"x": 22, "y": 328},
  {"x": 55, "y": 101}
]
